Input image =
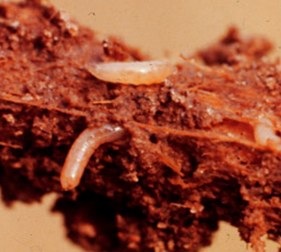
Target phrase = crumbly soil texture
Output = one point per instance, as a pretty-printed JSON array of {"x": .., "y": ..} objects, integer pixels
[{"x": 189, "y": 157}]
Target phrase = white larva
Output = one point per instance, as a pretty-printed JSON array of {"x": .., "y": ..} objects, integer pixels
[
  {"x": 82, "y": 150},
  {"x": 135, "y": 73},
  {"x": 265, "y": 135}
]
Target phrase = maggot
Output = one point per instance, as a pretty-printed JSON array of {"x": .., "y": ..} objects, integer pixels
[
  {"x": 265, "y": 135},
  {"x": 81, "y": 151},
  {"x": 135, "y": 73}
]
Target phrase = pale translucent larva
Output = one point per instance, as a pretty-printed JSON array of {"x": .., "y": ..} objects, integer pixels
[
  {"x": 82, "y": 150},
  {"x": 265, "y": 135},
  {"x": 135, "y": 73}
]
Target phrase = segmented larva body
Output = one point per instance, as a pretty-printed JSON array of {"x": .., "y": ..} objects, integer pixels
[
  {"x": 265, "y": 135},
  {"x": 135, "y": 73},
  {"x": 82, "y": 150}
]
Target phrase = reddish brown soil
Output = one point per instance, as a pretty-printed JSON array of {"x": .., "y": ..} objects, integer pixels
[{"x": 189, "y": 158}]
